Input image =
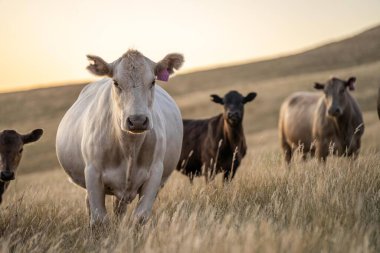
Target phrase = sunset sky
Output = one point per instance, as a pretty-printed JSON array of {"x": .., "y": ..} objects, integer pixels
[{"x": 45, "y": 41}]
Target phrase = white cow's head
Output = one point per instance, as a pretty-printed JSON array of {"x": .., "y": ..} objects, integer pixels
[{"x": 134, "y": 78}]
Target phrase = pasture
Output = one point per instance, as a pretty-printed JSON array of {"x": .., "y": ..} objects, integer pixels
[{"x": 267, "y": 207}]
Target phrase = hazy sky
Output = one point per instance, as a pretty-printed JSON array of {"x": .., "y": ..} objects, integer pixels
[{"x": 45, "y": 41}]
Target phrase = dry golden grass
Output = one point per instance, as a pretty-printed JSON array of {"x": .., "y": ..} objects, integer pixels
[{"x": 267, "y": 208}]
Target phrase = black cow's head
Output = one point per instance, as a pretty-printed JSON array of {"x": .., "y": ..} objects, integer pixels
[
  {"x": 233, "y": 103},
  {"x": 11, "y": 147}
]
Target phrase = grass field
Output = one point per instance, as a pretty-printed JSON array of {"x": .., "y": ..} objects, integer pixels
[{"x": 268, "y": 208}]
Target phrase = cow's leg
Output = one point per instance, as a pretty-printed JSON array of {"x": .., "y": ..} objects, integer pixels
[
  {"x": 304, "y": 155},
  {"x": 206, "y": 178},
  {"x": 191, "y": 178},
  {"x": 322, "y": 150},
  {"x": 354, "y": 150},
  {"x": 119, "y": 207},
  {"x": 148, "y": 193},
  {"x": 2, "y": 189},
  {"x": 95, "y": 195},
  {"x": 229, "y": 174},
  {"x": 227, "y": 177},
  {"x": 210, "y": 176},
  {"x": 88, "y": 205},
  {"x": 287, "y": 149}
]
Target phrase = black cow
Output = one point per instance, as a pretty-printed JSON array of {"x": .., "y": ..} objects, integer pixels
[
  {"x": 218, "y": 143},
  {"x": 11, "y": 147}
]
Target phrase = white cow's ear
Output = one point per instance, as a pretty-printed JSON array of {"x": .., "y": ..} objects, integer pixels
[
  {"x": 98, "y": 66},
  {"x": 166, "y": 66}
]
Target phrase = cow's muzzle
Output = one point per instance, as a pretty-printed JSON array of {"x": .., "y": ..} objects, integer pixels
[
  {"x": 7, "y": 176},
  {"x": 335, "y": 112},
  {"x": 137, "y": 124},
  {"x": 234, "y": 118}
]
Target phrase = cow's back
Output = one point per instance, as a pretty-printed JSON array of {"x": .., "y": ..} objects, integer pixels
[{"x": 296, "y": 118}]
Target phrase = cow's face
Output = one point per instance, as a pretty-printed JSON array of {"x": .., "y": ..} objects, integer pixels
[
  {"x": 11, "y": 148},
  {"x": 233, "y": 103},
  {"x": 336, "y": 94},
  {"x": 133, "y": 84}
]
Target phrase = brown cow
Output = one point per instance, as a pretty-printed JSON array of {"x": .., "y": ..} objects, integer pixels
[
  {"x": 319, "y": 124},
  {"x": 219, "y": 138},
  {"x": 11, "y": 147}
]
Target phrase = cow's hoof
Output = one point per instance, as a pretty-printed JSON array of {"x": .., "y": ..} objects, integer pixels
[{"x": 99, "y": 226}]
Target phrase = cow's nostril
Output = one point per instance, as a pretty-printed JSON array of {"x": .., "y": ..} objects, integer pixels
[
  {"x": 130, "y": 123},
  {"x": 145, "y": 122}
]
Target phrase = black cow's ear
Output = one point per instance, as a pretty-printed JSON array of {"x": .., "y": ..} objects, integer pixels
[
  {"x": 251, "y": 96},
  {"x": 319, "y": 86},
  {"x": 33, "y": 136},
  {"x": 351, "y": 83},
  {"x": 216, "y": 99}
]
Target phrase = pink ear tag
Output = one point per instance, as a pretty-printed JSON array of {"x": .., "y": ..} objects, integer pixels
[{"x": 163, "y": 75}]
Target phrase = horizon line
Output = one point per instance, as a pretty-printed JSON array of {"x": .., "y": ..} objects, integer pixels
[{"x": 28, "y": 87}]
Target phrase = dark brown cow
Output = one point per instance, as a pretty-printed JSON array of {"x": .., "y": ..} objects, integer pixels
[
  {"x": 11, "y": 147},
  {"x": 321, "y": 124},
  {"x": 220, "y": 138}
]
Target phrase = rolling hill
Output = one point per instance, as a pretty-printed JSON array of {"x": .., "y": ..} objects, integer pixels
[{"x": 273, "y": 79}]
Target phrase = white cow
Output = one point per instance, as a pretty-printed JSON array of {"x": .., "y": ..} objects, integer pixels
[{"x": 123, "y": 135}]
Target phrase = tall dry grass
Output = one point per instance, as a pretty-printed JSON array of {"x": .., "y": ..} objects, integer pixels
[{"x": 268, "y": 208}]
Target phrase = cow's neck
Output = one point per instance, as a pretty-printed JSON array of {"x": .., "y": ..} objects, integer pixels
[
  {"x": 343, "y": 125},
  {"x": 233, "y": 134},
  {"x": 130, "y": 144}
]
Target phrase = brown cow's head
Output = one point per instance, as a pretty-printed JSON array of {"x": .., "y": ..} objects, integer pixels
[
  {"x": 133, "y": 85},
  {"x": 336, "y": 94},
  {"x": 233, "y": 103},
  {"x": 11, "y": 147}
]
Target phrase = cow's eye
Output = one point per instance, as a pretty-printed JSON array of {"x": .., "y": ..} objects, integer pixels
[
  {"x": 21, "y": 150},
  {"x": 116, "y": 84},
  {"x": 153, "y": 83}
]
